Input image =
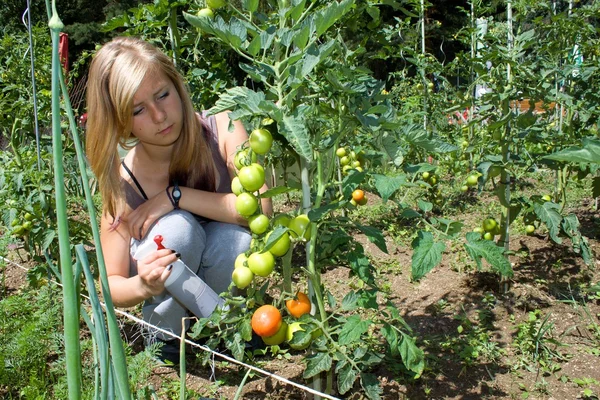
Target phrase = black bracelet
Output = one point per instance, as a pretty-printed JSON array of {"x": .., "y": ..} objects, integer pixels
[
  {"x": 176, "y": 196},
  {"x": 169, "y": 196}
]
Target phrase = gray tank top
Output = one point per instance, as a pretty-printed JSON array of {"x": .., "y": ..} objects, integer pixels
[{"x": 209, "y": 125}]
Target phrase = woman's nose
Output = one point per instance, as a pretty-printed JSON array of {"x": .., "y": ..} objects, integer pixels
[{"x": 158, "y": 114}]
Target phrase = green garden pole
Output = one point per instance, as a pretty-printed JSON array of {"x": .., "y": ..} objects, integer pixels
[{"x": 70, "y": 301}]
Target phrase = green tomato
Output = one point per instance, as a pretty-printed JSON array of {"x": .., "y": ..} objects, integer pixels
[
  {"x": 464, "y": 188},
  {"x": 18, "y": 230},
  {"x": 206, "y": 13},
  {"x": 529, "y": 229},
  {"x": 252, "y": 177},
  {"x": 292, "y": 328},
  {"x": 356, "y": 164},
  {"x": 472, "y": 180},
  {"x": 425, "y": 175},
  {"x": 281, "y": 246},
  {"x": 494, "y": 171},
  {"x": 243, "y": 158},
  {"x": 261, "y": 141},
  {"x": 479, "y": 230},
  {"x": 28, "y": 217},
  {"x": 346, "y": 169},
  {"x": 242, "y": 277},
  {"x": 258, "y": 223},
  {"x": 261, "y": 264},
  {"x": 240, "y": 260},
  {"x": 488, "y": 236},
  {"x": 341, "y": 152},
  {"x": 489, "y": 224},
  {"x": 14, "y": 222},
  {"x": 345, "y": 160},
  {"x": 281, "y": 220},
  {"x": 432, "y": 180},
  {"x": 27, "y": 225},
  {"x": 246, "y": 204},
  {"x": 547, "y": 197},
  {"x": 215, "y": 4},
  {"x": 300, "y": 226},
  {"x": 236, "y": 186},
  {"x": 278, "y": 337}
]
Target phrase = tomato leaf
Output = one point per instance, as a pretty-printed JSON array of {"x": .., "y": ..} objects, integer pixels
[
  {"x": 412, "y": 356},
  {"x": 317, "y": 363},
  {"x": 317, "y": 213},
  {"x": 374, "y": 235},
  {"x": 425, "y": 206},
  {"x": 346, "y": 376},
  {"x": 392, "y": 339},
  {"x": 326, "y": 17},
  {"x": 478, "y": 248},
  {"x": 277, "y": 190},
  {"x": 549, "y": 215},
  {"x": 371, "y": 385},
  {"x": 352, "y": 330},
  {"x": 588, "y": 153},
  {"x": 293, "y": 128},
  {"x": 387, "y": 186},
  {"x": 426, "y": 255},
  {"x": 417, "y": 136},
  {"x": 570, "y": 226},
  {"x": 361, "y": 266}
]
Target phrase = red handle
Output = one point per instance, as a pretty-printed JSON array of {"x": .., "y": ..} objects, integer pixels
[{"x": 158, "y": 240}]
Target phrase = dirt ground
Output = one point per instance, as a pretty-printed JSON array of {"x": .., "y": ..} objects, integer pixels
[{"x": 548, "y": 277}]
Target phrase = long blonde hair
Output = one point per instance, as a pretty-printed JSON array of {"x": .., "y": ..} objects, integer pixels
[{"x": 116, "y": 73}]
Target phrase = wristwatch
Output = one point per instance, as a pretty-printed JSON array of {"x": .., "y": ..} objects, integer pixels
[{"x": 176, "y": 195}]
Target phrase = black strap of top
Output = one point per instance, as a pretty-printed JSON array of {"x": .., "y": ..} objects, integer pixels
[{"x": 134, "y": 180}]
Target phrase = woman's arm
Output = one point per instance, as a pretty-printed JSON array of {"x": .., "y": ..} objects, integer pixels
[{"x": 126, "y": 290}]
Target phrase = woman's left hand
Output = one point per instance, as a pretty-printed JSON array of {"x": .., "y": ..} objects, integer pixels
[{"x": 142, "y": 218}]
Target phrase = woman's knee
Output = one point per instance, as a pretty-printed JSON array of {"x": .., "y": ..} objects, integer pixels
[{"x": 182, "y": 233}]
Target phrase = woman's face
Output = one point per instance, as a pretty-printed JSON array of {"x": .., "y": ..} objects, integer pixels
[{"x": 157, "y": 111}]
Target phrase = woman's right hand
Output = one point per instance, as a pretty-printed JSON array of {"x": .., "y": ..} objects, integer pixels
[{"x": 154, "y": 270}]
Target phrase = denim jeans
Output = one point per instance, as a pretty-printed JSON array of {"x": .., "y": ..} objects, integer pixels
[{"x": 209, "y": 249}]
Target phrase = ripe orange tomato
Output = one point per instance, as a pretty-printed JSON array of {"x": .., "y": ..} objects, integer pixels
[
  {"x": 358, "y": 195},
  {"x": 299, "y": 306},
  {"x": 266, "y": 320}
]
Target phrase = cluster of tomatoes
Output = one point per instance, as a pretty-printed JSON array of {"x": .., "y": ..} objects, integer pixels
[
  {"x": 434, "y": 192},
  {"x": 250, "y": 178},
  {"x": 21, "y": 227},
  {"x": 349, "y": 160},
  {"x": 470, "y": 182},
  {"x": 268, "y": 323},
  {"x": 489, "y": 228}
]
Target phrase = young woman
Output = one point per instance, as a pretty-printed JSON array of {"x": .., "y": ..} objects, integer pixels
[{"x": 173, "y": 181}]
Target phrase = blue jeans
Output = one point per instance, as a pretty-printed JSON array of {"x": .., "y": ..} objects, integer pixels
[{"x": 209, "y": 249}]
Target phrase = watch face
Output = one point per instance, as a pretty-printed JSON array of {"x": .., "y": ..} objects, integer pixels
[{"x": 176, "y": 193}]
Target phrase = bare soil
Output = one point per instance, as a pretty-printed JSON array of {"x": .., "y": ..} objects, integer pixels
[{"x": 548, "y": 277}]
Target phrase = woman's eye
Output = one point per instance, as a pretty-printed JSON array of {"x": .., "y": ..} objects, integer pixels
[
  {"x": 137, "y": 111},
  {"x": 164, "y": 95}
]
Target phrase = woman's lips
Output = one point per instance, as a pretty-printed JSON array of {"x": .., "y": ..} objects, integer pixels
[{"x": 166, "y": 130}]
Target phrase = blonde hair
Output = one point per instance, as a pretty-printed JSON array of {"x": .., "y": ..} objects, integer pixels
[{"x": 116, "y": 72}]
